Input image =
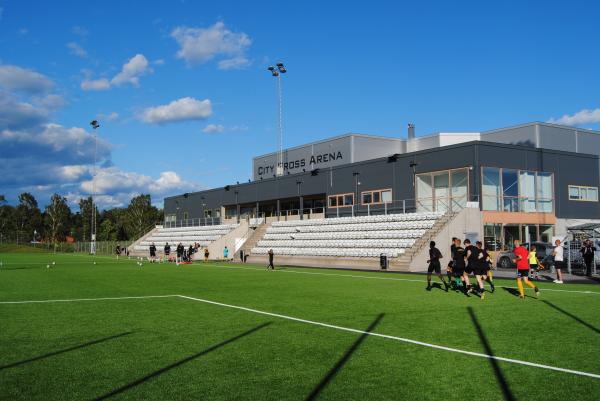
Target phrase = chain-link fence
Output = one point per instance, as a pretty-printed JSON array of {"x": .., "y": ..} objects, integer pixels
[{"x": 575, "y": 259}]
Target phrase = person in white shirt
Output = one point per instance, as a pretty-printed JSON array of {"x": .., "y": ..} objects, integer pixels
[{"x": 559, "y": 261}]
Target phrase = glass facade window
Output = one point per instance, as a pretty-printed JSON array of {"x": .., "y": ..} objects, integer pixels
[
  {"x": 342, "y": 200},
  {"x": 376, "y": 196},
  {"x": 491, "y": 188},
  {"x": 516, "y": 190},
  {"x": 442, "y": 190},
  {"x": 586, "y": 194}
]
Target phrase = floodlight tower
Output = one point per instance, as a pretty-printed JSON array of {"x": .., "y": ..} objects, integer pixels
[
  {"x": 95, "y": 125},
  {"x": 276, "y": 72}
]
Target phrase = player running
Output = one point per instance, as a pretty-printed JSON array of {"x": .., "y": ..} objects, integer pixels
[
  {"x": 179, "y": 251},
  {"x": 521, "y": 259},
  {"x": 434, "y": 265},
  {"x": 458, "y": 267},
  {"x": 486, "y": 265},
  {"x": 472, "y": 255}
]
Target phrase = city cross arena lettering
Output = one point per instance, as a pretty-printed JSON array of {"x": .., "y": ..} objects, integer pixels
[{"x": 314, "y": 160}]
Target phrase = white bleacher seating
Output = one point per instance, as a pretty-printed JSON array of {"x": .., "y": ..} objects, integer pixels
[
  {"x": 365, "y": 236},
  {"x": 202, "y": 235}
]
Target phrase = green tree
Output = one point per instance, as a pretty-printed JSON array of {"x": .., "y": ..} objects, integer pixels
[
  {"x": 28, "y": 217},
  {"x": 108, "y": 230},
  {"x": 140, "y": 215},
  {"x": 56, "y": 217},
  {"x": 7, "y": 219},
  {"x": 85, "y": 210}
]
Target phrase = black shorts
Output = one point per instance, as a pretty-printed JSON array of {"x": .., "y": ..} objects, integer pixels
[
  {"x": 559, "y": 264},
  {"x": 458, "y": 271},
  {"x": 152, "y": 254},
  {"x": 533, "y": 266},
  {"x": 481, "y": 270},
  {"x": 469, "y": 269},
  {"x": 523, "y": 273},
  {"x": 434, "y": 266}
]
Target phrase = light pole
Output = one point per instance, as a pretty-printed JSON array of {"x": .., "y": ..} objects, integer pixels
[
  {"x": 95, "y": 125},
  {"x": 356, "y": 174},
  {"x": 276, "y": 72}
]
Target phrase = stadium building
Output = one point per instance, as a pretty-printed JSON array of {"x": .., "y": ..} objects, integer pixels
[{"x": 525, "y": 182}]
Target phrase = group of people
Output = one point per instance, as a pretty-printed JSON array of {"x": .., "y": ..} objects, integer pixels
[
  {"x": 182, "y": 254},
  {"x": 474, "y": 260},
  {"x": 470, "y": 260}
]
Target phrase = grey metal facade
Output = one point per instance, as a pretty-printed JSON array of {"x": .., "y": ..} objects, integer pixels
[{"x": 569, "y": 168}]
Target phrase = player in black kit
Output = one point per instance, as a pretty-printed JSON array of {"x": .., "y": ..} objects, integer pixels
[{"x": 434, "y": 265}]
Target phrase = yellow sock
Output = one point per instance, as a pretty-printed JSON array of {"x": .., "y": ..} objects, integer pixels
[
  {"x": 490, "y": 275},
  {"x": 520, "y": 285},
  {"x": 529, "y": 283}
]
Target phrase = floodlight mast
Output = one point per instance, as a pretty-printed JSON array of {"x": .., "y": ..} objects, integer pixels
[
  {"x": 95, "y": 125},
  {"x": 276, "y": 72}
]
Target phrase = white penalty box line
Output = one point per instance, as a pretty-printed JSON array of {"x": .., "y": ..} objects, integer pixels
[{"x": 330, "y": 326}]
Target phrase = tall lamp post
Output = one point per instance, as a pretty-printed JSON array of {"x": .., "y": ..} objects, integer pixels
[
  {"x": 95, "y": 125},
  {"x": 276, "y": 72}
]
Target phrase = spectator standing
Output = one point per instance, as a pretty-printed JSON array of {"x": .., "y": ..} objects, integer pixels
[{"x": 588, "y": 252}]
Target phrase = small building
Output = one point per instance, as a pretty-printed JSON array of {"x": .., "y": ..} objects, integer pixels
[{"x": 530, "y": 182}]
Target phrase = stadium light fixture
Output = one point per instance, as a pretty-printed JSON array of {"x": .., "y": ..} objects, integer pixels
[
  {"x": 276, "y": 72},
  {"x": 95, "y": 125}
]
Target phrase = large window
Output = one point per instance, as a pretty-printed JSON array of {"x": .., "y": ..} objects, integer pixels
[
  {"x": 342, "y": 200},
  {"x": 516, "y": 190},
  {"x": 376, "y": 197},
  {"x": 586, "y": 194},
  {"x": 442, "y": 190}
]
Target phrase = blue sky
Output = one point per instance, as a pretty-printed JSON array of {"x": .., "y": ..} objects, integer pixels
[{"x": 184, "y": 99}]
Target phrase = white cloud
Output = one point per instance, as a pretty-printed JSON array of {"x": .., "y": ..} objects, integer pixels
[
  {"x": 77, "y": 50},
  {"x": 159, "y": 61},
  {"x": 95, "y": 84},
  {"x": 111, "y": 117},
  {"x": 213, "y": 129},
  {"x": 200, "y": 45},
  {"x": 79, "y": 31},
  {"x": 16, "y": 78},
  {"x": 235, "y": 63},
  {"x": 183, "y": 109},
  {"x": 130, "y": 73},
  {"x": 585, "y": 116},
  {"x": 49, "y": 102}
]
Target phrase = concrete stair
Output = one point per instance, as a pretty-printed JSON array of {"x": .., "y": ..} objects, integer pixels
[
  {"x": 253, "y": 238},
  {"x": 133, "y": 252},
  {"x": 403, "y": 262}
]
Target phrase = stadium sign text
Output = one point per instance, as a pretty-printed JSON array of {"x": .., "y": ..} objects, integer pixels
[{"x": 300, "y": 163}]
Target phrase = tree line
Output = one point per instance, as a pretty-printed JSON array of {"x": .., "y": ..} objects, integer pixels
[{"x": 23, "y": 222}]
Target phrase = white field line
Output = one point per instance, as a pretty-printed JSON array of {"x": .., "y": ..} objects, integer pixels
[
  {"x": 87, "y": 299},
  {"x": 384, "y": 278},
  {"x": 331, "y": 326},
  {"x": 406, "y": 340}
]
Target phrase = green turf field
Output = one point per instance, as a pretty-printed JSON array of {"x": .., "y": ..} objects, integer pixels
[{"x": 116, "y": 330}]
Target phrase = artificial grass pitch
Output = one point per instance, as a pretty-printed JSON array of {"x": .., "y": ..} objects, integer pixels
[{"x": 291, "y": 334}]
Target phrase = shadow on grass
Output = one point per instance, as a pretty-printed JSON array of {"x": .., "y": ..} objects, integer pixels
[
  {"x": 37, "y": 358},
  {"x": 515, "y": 292},
  {"x": 179, "y": 363},
  {"x": 508, "y": 395},
  {"x": 336, "y": 368},
  {"x": 577, "y": 319}
]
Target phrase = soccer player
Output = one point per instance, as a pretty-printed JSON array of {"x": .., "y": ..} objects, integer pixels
[
  {"x": 206, "y": 253},
  {"x": 118, "y": 250},
  {"x": 167, "y": 251},
  {"x": 271, "y": 265},
  {"x": 472, "y": 255},
  {"x": 225, "y": 253},
  {"x": 458, "y": 266},
  {"x": 533, "y": 262},
  {"x": 486, "y": 265},
  {"x": 449, "y": 267},
  {"x": 521, "y": 259},
  {"x": 559, "y": 261},
  {"x": 179, "y": 252},
  {"x": 434, "y": 265},
  {"x": 152, "y": 253},
  {"x": 479, "y": 267}
]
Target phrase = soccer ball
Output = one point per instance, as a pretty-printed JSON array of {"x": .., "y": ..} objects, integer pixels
[{"x": 47, "y": 266}]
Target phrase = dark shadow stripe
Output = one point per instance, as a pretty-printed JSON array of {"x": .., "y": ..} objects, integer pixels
[
  {"x": 178, "y": 363},
  {"x": 331, "y": 374},
  {"x": 37, "y": 358},
  {"x": 508, "y": 395},
  {"x": 577, "y": 319}
]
